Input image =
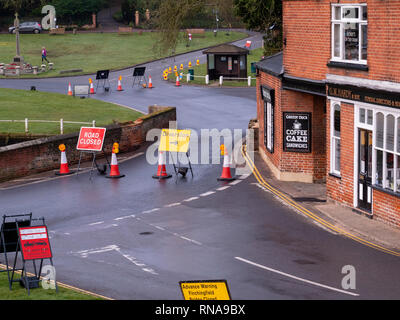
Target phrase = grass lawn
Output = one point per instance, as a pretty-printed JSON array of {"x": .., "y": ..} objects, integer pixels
[
  {"x": 97, "y": 51},
  {"x": 21, "y": 104},
  {"x": 201, "y": 70},
  {"x": 20, "y": 293}
]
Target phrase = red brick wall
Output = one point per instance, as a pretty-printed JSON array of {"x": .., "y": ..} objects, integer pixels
[
  {"x": 307, "y": 29},
  {"x": 313, "y": 163},
  {"x": 341, "y": 189},
  {"x": 386, "y": 208},
  {"x": 43, "y": 154}
]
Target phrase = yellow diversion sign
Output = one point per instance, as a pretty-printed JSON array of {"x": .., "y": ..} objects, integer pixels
[
  {"x": 205, "y": 290},
  {"x": 173, "y": 140}
]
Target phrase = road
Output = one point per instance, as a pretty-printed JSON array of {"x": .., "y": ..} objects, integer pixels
[{"x": 136, "y": 237}]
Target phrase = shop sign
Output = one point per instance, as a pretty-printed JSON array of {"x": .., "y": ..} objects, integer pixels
[{"x": 296, "y": 132}]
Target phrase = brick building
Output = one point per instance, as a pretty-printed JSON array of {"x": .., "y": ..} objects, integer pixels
[{"x": 328, "y": 105}]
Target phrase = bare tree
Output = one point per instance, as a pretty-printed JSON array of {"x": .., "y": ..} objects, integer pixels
[{"x": 169, "y": 19}]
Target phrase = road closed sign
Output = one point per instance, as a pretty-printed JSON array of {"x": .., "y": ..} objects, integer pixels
[
  {"x": 91, "y": 139},
  {"x": 35, "y": 243}
]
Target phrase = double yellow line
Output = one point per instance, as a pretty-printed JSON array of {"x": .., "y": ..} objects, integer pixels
[{"x": 308, "y": 213}]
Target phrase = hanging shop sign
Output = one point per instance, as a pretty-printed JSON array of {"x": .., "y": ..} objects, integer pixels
[{"x": 296, "y": 132}]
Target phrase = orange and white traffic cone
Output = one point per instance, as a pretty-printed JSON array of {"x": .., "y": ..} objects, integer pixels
[
  {"x": 114, "y": 170},
  {"x": 64, "y": 170},
  {"x": 177, "y": 84},
  {"x": 91, "y": 87},
  {"x": 150, "y": 83},
  {"x": 226, "y": 168},
  {"x": 119, "y": 88},
  {"x": 161, "y": 171},
  {"x": 70, "y": 89}
]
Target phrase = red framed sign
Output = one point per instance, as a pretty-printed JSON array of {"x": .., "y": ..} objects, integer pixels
[
  {"x": 91, "y": 139},
  {"x": 35, "y": 243}
]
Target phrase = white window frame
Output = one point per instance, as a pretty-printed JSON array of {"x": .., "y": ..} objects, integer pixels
[
  {"x": 333, "y": 138},
  {"x": 341, "y": 22}
]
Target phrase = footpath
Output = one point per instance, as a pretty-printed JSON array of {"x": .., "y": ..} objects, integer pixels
[{"x": 312, "y": 196}]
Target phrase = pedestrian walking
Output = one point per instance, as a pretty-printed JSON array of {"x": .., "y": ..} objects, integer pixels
[{"x": 44, "y": 55}]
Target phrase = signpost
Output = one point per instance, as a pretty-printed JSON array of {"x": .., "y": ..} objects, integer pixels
[
  {"x": 178, "y": 141},
  {"x": 34, "y": 244},
  {"x": 139, "y": 75},
  {"x": 102, "y": 77},
  {"x": 9, "y": 239},
  {"x": 90, "y": 140},
  {"x": 205, "y": 290},
  {"x": 297, "y": 132}
]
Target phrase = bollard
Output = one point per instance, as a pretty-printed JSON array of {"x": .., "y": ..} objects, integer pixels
[
  {"x": 51, "y": 65},
  {"x": 207, "y": 79},
  {"x": 249, "y": 81},
  {"x": 221, "y": 80},
  {"x": 35, "y": 70},
  {"x": 43, "y": 68},
  {"x": 17, "y": 71}
]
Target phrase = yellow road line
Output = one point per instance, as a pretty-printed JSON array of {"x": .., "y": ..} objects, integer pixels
[
  {"x": 63, "y": 285},
  {"x": 308, "y": 213}
]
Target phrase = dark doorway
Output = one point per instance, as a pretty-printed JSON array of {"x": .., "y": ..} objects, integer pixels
[{"x": 365, "y": 170}]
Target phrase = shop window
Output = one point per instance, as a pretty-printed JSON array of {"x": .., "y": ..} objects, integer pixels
[
  {"x": 387, "y": 148},
  {"x": 349, "y": 33},
  {"x": 335, "y": 139}
]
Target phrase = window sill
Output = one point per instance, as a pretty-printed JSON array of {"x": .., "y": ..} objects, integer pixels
[
  {"x": 348, "y": 65},
  {"x": 335, "y": 175},
  {"x": 390, "y": 192}
]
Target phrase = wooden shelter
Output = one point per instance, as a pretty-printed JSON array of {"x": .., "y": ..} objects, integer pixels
[{"x": 226, "y": 60}]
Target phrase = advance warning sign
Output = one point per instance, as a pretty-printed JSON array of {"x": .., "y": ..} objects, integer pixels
[
  {"x": 35, "y": 243},
  {"x": 91, "y": 139},
  {"x": 173, "y": 140},
  {"x": 205, "y": 290}
]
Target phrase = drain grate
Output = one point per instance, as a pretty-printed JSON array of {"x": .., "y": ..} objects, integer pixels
[{"x": 305, "y": 199}]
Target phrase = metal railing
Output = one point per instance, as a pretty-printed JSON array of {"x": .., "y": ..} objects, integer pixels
[{"x": 61, "y": 122}]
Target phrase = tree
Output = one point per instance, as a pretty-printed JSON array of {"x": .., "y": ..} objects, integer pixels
[
  {"x": 260, "y": 15},
  {"x": 79, "y": 11},
  {"x": 169, "y": 20}
]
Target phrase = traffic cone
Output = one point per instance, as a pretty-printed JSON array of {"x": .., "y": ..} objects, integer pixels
[
  {"x": 69, "y": 89},
  {"x": 91, "y": 87},
  {"x": 226, "y": 168},
  {"x": 161, "y": 171},
  {"x": 64, "y": 170},
  {"x": 114, "y": 170},
  {"x": 119, "y": 88},
  {"x": 150, "y": 83},
  {"x": 177, "y": 84}
]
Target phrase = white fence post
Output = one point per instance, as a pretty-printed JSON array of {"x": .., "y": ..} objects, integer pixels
[
  {"x": 207, "y": 79},
  {"x": 221, "y": 80},
  {"x": 26, "y": 125},
  {"x": 249, "y": 81},
  {"x": 61, "y": 126},
  {"x": 94, "y": 123},
  {"x": 188, "y": 77}
]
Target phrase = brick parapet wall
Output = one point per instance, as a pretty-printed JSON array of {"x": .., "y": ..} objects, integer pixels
[{"x": 42, "y": 154}]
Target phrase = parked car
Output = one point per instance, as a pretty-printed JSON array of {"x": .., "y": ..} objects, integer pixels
[{"x": 27, "y": 27}]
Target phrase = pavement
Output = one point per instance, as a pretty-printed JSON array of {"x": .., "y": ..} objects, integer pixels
[{"x": 313, "y": 197}]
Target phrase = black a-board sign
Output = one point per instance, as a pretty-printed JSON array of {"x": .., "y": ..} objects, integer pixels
[{"x": 297, "y": 132}]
